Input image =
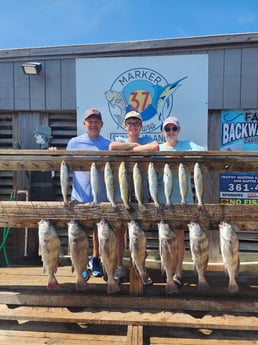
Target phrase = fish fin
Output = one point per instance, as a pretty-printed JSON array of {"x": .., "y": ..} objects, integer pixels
[
  {"x": 112, "y": 288},
  {"x": 171, "y": 288},
  {"x": 203, "y": 285},
  {"x": 233, "y": 288},
  {"x": 53, "y": 284}
]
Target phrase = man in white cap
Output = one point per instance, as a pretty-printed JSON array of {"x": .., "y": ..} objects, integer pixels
[
  {"x": 170, "y": 130},
  {"x": 133, "y": 142}
]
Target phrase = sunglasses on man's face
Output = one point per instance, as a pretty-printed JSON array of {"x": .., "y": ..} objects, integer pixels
[{"x": 168, "y": 129}]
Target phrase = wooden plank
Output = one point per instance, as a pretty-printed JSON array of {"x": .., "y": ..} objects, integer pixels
[
  {"x": 200, "y": 341},
  {"x": 163, "y": 318},
  {"x": 27, "y": 286},
  {"x": 21, "y": 214},
  {"x": 8, "y": 337},
  {"x": 96, "y": 298},
  {"x": 134, "y": 335}
]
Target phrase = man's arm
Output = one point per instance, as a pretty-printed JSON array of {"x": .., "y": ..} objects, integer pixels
[
  {"x": 153, "y": 146},
  {"x": 121, "y": 146}
]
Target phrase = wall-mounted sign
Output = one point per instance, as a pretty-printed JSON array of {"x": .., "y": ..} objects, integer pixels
[
  {"x": 155, "y": 86},
  {"x": 239, "y": 188},
  {"x": 239, "y": 130}
]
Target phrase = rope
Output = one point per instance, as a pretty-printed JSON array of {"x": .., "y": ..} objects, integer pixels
[{"x": 5, "y": 236}]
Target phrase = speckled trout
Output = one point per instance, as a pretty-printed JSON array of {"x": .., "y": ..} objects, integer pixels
[
  {"x": 137, "y": 246},
  {"x": 229, "y": 246},
  {"x": 199, "y": 245},
  {"x": 78, "y": 248},
  {"x": 64, "y": 180},
  {"x": 198, "y": 184},
  {"x": 153, "y": 183},
  {"x": 94, "y": 181},
  {"x": 123, "y": 184},
  {"x": 168, "y": 184},
  {"x": 168, "y": 255},
  {"x": 183, "y": 186},
  {"x": 109, "y": 183},
  {"x": 107, "y": 249},
  {"x": 49, "y": 245},
  {"x": 138, "y": 185}
]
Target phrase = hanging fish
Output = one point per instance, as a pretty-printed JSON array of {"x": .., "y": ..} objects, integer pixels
[
  {"x": 168, "y": 184},
  {"x": 198, "y": 183},
  {"x": 153, "y": 183},
  {"x": 109, "y": 182},
  {"x": 168, "y": 255},
  {"x": 94, "y": 181},
  {"x": 183, "y": 186},
  {"x": 137, "y": 246},
  {"x": 229, "y": 246},
  {"x": 124, "y": 185},
  {"x": 78, "y": 248},
  {"x": 107, "y": 248},
  {"x": 49, "y": 245},
  {"x": 138, "y": 185},
  {"x": 199, "y": 245},
  {"x": 64, "y": 181}
]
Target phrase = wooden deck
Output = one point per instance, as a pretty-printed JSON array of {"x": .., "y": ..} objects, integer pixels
[{"x": 30, "y": 314}]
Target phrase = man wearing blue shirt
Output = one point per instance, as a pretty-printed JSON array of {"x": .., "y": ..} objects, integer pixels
[{"x": 81, "y": 188}]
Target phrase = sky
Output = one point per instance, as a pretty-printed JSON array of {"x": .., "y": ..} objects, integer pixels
[{"x": 48, "y": 23}]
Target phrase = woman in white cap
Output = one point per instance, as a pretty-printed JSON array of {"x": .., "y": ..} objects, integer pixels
[{"x": 170, "y": 130}]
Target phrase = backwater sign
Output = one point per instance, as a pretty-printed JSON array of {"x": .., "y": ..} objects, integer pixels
[{"x": 239, "y": 132}]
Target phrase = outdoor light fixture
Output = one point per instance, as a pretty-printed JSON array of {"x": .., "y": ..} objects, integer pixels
[{"x": 31, "y": 68}]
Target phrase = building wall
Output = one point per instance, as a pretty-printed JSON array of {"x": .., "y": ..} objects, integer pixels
[{"x": 233, "y": 70}]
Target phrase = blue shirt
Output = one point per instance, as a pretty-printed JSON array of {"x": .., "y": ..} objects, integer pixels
[
  {"x": 81, "y": 189},
  {"x": 182, "y": 145}
]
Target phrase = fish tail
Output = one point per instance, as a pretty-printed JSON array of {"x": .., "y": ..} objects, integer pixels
[
  {"x": 171, "y": 288},
  {"x": 94, "y": 204},
  {"x": 156, "y": 203},
  {"x": 52, "y": 284},
  {"x": 81, "y": 284},
  {"x": 233, "y": 287},
  {"x": 203, "y": 285},
  {"x": 112, "y": 288},
  {"x": 142, "y": 207}
]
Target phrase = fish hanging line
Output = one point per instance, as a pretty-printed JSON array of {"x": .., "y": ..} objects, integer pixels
[{"x": 6, "y": 232}]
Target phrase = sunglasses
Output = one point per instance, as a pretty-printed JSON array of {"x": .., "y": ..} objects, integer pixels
[
  {"x": 135, "y": 124},
  {"x": 168, "y": 129}
]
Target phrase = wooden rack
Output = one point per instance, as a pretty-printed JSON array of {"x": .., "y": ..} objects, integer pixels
[{"x": 134, "y": 312}]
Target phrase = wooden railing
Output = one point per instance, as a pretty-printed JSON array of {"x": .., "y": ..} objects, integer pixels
[{"x": 27, "y": 214}]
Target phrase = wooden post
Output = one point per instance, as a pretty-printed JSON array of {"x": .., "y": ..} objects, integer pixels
[{"x": 136, "y": 286}]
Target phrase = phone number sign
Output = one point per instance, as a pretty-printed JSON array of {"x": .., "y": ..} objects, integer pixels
[{"x": 240, "y": 188}]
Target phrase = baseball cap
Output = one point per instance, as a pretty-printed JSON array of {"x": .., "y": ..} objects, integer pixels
[
  {"x": 92, "y": 111},
  {"x": 133, "y": 114},
  {"x": 171, "y": 120}
]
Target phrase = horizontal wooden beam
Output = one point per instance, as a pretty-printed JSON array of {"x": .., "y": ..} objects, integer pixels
[
  {"x": 210, "y": 161},
  {"x": 162, "y": 318},
  {"x": 42, "y": 297},
  {"x": 20, "y": 214}
]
